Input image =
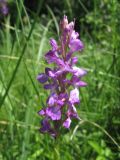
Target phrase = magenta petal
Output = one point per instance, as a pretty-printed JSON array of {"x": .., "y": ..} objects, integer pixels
[
  {"x": 47, "y": 70},
  {"x": 76, "y": 45},
  {"x": 51, "y": 56},
  {"x": 74, "y": 60},
  {"x": 60, "y": 62},
  {"x": 79, "y": 71},
  {"x": 42, "y": 78},
  {"x": 45, "y": 126},
  {"x": 60, "y": 103},
  {"x": 64, "y": 22},
  {"x": 51, "y": 74},
  {"x": 81, "y": 84},
  {"x": 72, "y": 111},
  {"x": 70, "y": 27},
  {"x": 67, "y": 81},
  {"x": 67, "y": 123},
  {"x": 52, "y": 86},
  {"x": 54, "y": 45},
  {"x": 59, "y": 72},
  {"x": 62, "y": 98},
  {"x": 41, "y": 112},
  {"x": 75, "y": 81},
  {"x": 52, "y": 99},
  {"x": 54, "y": 112},
  {"x": 48, "y": 86},
  {"x": 74, "y": 35},
  {"x": 74, "y": 96}
]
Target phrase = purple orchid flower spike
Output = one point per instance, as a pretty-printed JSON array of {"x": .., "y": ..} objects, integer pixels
[{"x": 60, "y": 106}]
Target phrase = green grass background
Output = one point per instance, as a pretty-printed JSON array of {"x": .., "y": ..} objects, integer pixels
[{"x": 22, "y": 48}]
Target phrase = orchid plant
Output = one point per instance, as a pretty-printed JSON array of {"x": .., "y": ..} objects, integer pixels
[{"x": 63, "y": 81}]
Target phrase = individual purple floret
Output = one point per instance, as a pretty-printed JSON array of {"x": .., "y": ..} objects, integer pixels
[
  {"x": 63, "y": 81},
  {"x": 3, "y": 7}
]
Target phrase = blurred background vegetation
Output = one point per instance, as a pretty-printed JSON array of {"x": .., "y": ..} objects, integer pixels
[{"x": 24, "y": 39}]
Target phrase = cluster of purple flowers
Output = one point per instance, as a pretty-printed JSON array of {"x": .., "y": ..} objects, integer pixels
[
  {"x": 3, "y": 7},
  {"x": 63, "y": 80}
]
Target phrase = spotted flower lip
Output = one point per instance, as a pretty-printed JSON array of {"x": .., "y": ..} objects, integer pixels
[{"x": 63, "y": 80}]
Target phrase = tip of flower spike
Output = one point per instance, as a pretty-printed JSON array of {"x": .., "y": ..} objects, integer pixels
[
  {"x": 70, "y": 26},
  {"x": 64, "y": 22},
  {"x": 65, "y": 17}
]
